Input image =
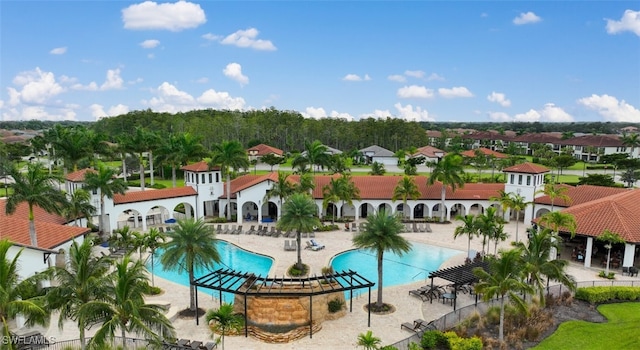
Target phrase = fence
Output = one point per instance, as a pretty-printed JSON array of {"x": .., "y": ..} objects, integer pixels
[
  {"x": 451, "y": 319},
  {"x": 131, "y": 343}
]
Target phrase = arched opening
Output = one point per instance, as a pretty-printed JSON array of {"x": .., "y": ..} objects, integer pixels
[
  {"x": 129, "y": 217},
  {"x": 331, "y": 211},
  {"x": 418, "y": 211},
  {"x": 365, "y": 210},
  {"x": 250, "y": 211},
  {"x": 475, "y": 210},
  {"x": 404, "y": 210},
  {"x": 457, "y": 209}
]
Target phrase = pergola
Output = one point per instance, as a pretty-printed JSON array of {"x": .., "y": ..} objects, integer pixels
[
  {"x": 459, "y": 276},
  {"x": 248, "y": 284}
]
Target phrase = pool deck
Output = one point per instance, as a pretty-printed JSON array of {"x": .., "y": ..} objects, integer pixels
[{"x": 341, "y": 333}]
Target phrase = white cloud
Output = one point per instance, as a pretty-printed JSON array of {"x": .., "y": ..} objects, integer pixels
[
  {"x": 174, "y": 17},
  {"x": 526, "y": 18},
  {"x": 397, "y": 77},
  {"x": 233, "y": 71},
  {"x": 202, "y": 80},
  {"x": 454, "y": 92},
  {"x": 211, "y": 37},
  {"x": 630, "y": 22},
  {"x": 499, "y": 98},
  {"x": 39, "y": 113},
  {"x": 112, "y": 81},
  {"x": 35, "y": 86},
  {"x": 434, "y": 76},
  {"x": 170, "y": 99},
  {"x": 247, "y": 38},
  {"x": 414, "y": 91},
  {"x": 409, "y": 113},
  {"x": 221, "y": 100},
  {"x": 58, "y": 51},
  {"x": 549, "y": 113},
  {"x": 320, "y": 113},
  {"x": 414, "y": 73},
  {"x": 355, "y": 77},
  {"x": 150, "y": 44},
  {"x": 611, "y": 109},
  {"x": 97, "y": 111}
]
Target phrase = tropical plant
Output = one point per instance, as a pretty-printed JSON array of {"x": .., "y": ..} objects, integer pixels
[
  {"x": 36, "y": 188},
  {"x": 104, "y": 181},
  {"x": 631, "y": 140},
  {"x": 179, "y": 149},
  {"x": 469, "y": 228},
  {"x": 517, "y": 204},
  {"x": 377, "y": 169},
  {"x": 299, "y": 213},
  {"x": 537, "y": 265},
  {"x": 72, "y": 145},
  {"x": 368, "y": 341},
  {"x": 152, "y": 240},
  {"x": 83, "y": 279},
  {"x": 405, "y": 189},
  {"x": 448, "y": 171},
  {"x": 228, "y": 155},
  {"x": 272, "y": 160},
  {"x": 503, "y": 277},
  {"x": 490, "y": 226},
  {"x": 315, "y": 155},
  {"x": 348, "y": 190},
  {"x": 381, "y": 234},
  {"x": 16, "y": 294},
  {"x": 554, "y": 192},
  {"x": 79, "y": 205},
  {"x": 306, "y": 184},
  {"x": 225, "y": 320},
  {"x": 139, "y": 142},
  {"x": 504, "y": 198},
  {"x": 191, "y": 245},
  {"x": 283, "y": 188},
  {"x": 125, "y": 307},
  {"x": 610, "y": 238},
  {"x": 557, "y": 221}
]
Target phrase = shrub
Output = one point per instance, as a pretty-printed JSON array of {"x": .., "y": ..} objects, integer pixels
[
  {"x": 154, "y": 290},
  {"x": 610, "y": 276},
  {"x": 597, "y": 295},
  {"x": 216, "y": 220},
  {"x": 388, "y": 347},
  {"x": 295, "y": 272},
  {"x": 335, "y": 305},
  {"x": 433, "y": 339},
  {"x": 327, "y": 270},
  {"x": 493, "y": 315}
]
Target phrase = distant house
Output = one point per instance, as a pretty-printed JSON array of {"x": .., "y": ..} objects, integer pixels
[
  {"x": 430, "y": 153},
  {"x": 378, "y": 154},
  {"x": 487, "y": 153},
  {"x": 261, "y": 150}
]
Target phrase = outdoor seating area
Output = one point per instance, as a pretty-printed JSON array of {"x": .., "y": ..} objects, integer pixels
[
  {"x": 182, "y": 344},
  {"x": 290, "y": 245},
  {"x": 313, "y": 245},
  {"x": 418, "y": 326},
  {"x": 417, "y": 227}
]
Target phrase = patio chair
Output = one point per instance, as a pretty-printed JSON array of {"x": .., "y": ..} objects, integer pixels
[
  {"x": 316, "y": 245},
  {"x": 293, "y": 245},
  {"x": 239, "y": 231},
  {"x": 312, "y": 234},
  {"x": 415, "y": 227},
  {"x": 303, "y": 234},
  {"x": 272, "y": 233},
  {"x": 252, "y": 229},
  {"x": 209, "y": 346},
  {"x": 353, "y": 227},
  {"x": 233, "y": 230},
  {"x": 422, "y": 228},
  {"x": 427, "y": 227},
  {"x": 278, "y": 233},
  {"x": 226, "y": 230},
  {"x": 287, "y": 246},
  {"x": 219, "y": 229},
  {"x": 195, "y": 344}
]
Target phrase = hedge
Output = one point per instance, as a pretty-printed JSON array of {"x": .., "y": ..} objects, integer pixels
[{"x": 597, "y": 295}]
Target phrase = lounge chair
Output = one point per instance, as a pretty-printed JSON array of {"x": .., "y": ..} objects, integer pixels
[
  {"x": 226, "y": 230},
  {"x": 209, "y": 346},
  {"x": 353, "y": 227},
  {"x": 239, "y": 230},
  {"x": 312, "y": 234},
  {"x": 195, "y": 344},
  {"x": 233, "y": 230},
  {"x": 251, "y": 230},
  {"x": 272, "y": 233},
  {"x": 219, "y": 229},
  {"x": 316, "y": 245},
  {"x": 303, "y": 235},
  {"x": 422, "y": 228},
  {"x": 294, "y": 245},
  {"x": 287, "y": 247},
  {"x": 414, "y": 226},
  {"x": 278, "y": 233},
  {"x": 427, "y": 227}
]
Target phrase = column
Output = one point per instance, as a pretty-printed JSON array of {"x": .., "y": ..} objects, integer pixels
[
  {"x": 259, "y": 212},
  {"x": 588, "y": 252}
]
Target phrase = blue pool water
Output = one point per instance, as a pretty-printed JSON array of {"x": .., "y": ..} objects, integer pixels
[
  {"x": 411, "y": 267},
  {"x": 231, "y": 256}
]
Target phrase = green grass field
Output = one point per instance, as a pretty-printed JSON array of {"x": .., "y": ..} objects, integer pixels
[{"x": 622, "y": 331}]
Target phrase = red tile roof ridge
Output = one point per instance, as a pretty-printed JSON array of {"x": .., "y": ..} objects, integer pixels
[
  {"x": 78, "y": 175},
  {"x": 527, "y": 168},
  {"x": 142, "y": 196},
  {"x": 200, "y": 166}
]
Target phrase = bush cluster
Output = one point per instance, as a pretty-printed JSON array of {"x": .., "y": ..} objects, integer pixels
[
  {"x": 597, "y": 295},
  {"x": 335, "y": 305},
  {"x": 449, "y": 340},
  {"x": 325, "y": 228}
]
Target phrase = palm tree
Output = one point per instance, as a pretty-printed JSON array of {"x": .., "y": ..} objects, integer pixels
[
  {"x": 448, "y": 171},
  {"x": 281, "y": 189},
  {"x": 79, "y": 206},
  {"x": 368, "y": 340},
  {"x": 504, "y": 198},
  {"x": 180, "y": 149},
  {"x": 306, "y": 184},
  {"x": 537, "y": 265},
  {"x": 381, "y": 234},
  {"x": 16, "y": 294},
  {"x": 556, "y": 221},
  {"x": 377, "y": 169},
  {"x": 503, "y": 277},
  {"x": 406, "y": 188},
  {"x": 488, "y": 225},
  {"x": 300, "y": 214},
  {"x": 331, "y": 194},
  {"x": 125, "y": 308},
  {"x": 104, "y": 180},
  {"x": 517, "y": 204},
  {"x": 73, "y": 145},
  {"x": 348, "y": 190},
  {"x": 631, "y": 140},
  {"x": 228, "y": 155},
  {"x": 610, "y": 238},
  {"x": 225, "y": 320},
  {"x": 37, "y": 188},
  {"x": 191, "y": 245},
  {"x": 554, "y": 192},
  {"x": 82, "y": 280},
  {"x": 138, "y": 143},
  {"x": 316, "y": 155},
  {"x": 152, "y": 240},
  {"x": 469, "y": 228}
]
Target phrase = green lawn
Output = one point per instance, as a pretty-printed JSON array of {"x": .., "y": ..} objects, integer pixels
[{"x": 622, "y": 331}]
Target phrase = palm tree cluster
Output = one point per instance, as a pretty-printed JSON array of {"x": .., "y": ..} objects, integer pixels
[
  {"x": 341, "y": 189},
  {"x": 487, "y": 225},
  {"x": 512, "y": 201},
  {"x": 448, "y": 171}
]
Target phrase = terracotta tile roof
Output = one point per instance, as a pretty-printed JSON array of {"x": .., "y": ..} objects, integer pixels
[
  {"x": 488, "y": 135},
  {"x": 593, "y": 140},
  {"x": 619, "y": 213},
  {"x": 78, "y": 176},
  {"x": 544, "y": 137},
  {"x": 201, "y": 166},
  {"x": 377, "y": 187},
  {"x": 262, "y": 150},
  {"x": 581, "y": 194},
  {"x": 527, "y": 168},
  {"x": 433, "y": 133},
  {"x": 150, "y": 194},
  {"x": 22, "y": 212},
  {"x": 487, "y": 152},
  {"x": 428, "y": 151},
  {"x": 49, "y": 235}
]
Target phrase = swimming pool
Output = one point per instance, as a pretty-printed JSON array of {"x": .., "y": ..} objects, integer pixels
[
  {"x": 411, "y": 267},
  {"x": 231, "y": 256}
]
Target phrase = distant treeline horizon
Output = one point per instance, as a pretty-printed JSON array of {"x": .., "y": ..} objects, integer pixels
[{"x": 289, "y": 130}]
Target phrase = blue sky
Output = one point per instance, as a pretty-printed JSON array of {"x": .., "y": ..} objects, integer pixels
[{"x": 426, "y": 61}]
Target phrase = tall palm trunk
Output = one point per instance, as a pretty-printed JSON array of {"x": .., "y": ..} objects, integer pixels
[
  {"x": 501, "y": 329},
  {"x": 83, "y": 340},
  {"x": 379, "y": 301},
  {"x": 173, "y": 176},
  {"x": 124, "y": 167},
  {"x": 298, "y": 241},
  {"x": 151, "y": 170},
  {"x": 141, "y": 172},
  {"x": 124, "y": 339},
  {"x": 192, "y": 291},
  {"x": 32, "y": 228},
  {"x": 102, "y": 215},
  {"x": 517, "y": 221},
  {"x": 228, "y": 196}
]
